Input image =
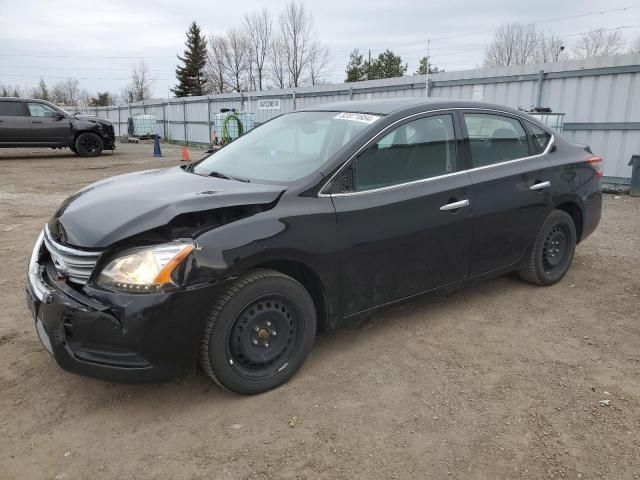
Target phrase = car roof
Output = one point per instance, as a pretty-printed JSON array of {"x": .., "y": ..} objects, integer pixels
[{"x": 387, "y": 106}]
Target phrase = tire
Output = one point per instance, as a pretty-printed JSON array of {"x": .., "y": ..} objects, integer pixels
[
  {"x": 551, "y": 255},
  {"x": 88, "y": 145},
  {"x": 259, "y": 333}
]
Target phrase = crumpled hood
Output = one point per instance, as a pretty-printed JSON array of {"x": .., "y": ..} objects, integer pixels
[{"x": 119, "y": 207}]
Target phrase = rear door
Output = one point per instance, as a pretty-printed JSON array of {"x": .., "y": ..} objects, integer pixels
[
  {"x": 403, "y": 225},
  {"x": 47, "y": 126},
  {"x": 14, "y": 123},
  {"x": 511, "y": 188}
]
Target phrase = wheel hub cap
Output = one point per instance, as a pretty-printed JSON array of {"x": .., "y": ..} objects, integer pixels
[
  {"x": 555, "y": 248},
  {"x": 263, "y": 334}
]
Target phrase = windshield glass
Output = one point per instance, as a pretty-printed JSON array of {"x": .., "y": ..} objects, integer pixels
[{"x": 287, "y": 148}]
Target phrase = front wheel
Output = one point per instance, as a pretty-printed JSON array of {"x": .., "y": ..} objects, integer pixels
[
  {"x": 551, "y": 255},
  {"x": 259, "y": 332},
  {"x": 88, "y": 145}
]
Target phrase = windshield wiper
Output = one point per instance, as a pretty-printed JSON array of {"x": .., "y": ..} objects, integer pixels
[
  {"x": 219, "y": 175},
  {"x": 227, "y": 177}
]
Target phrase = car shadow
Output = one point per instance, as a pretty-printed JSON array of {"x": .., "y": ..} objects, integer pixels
[
  {"x": 198, "y": 388},
  {"x": 46, "y": 155}
]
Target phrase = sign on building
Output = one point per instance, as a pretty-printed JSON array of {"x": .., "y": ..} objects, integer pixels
[{"x": 269, "y": 104}]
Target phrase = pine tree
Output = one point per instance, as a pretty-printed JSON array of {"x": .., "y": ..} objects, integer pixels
[
  {"x": 191, "y": 77},
  {"x": 422, "y": 69},
  {"x": 355, "y": 68},
  {"x": 388, "y": 65},
  {"x": 102, "y": 100},
  {"x": 43, "y": 91}
]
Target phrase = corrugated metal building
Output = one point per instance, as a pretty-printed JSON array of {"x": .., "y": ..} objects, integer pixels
[{"x": 599, "y": 96}]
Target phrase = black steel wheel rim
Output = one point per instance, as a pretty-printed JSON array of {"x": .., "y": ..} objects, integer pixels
[
  {"x": 264, "y": 337},
  {"x": 555, "y": 249},
  {"x": 89, "y": 143}
]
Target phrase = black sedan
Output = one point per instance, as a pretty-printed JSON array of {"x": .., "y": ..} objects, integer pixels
[{"x": 236, "y": 261}]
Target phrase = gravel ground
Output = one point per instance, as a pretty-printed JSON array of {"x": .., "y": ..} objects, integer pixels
[{"x": 500, "y": 380}]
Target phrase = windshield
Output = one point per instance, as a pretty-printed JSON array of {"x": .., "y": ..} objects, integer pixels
[{"x": 287, "y": 148}]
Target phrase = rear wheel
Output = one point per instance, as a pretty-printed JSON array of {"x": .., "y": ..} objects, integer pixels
[
  {"x": 88, "y": 145},
  {"x": 551, "y": 255},
  {"x": 259, "y": 333}
]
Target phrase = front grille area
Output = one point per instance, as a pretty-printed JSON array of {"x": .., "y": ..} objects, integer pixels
[{"x": 75, "y": 265}]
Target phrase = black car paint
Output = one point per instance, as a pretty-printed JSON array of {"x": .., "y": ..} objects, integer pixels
[
  {"x": 58, "y": 131},
  {"x": 354, "y": 252}
]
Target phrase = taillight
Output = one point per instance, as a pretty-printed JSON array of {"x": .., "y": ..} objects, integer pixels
[{"x": 596, "y": 162}]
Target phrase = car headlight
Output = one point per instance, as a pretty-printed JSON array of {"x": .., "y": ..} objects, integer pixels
[{"x": 147, "y": 269}]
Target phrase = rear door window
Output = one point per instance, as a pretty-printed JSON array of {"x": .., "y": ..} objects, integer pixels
[
  {"x": 495, "y": 138},
  {"x": 12, "y": 109},
  {"x": 539, "y": 137}
]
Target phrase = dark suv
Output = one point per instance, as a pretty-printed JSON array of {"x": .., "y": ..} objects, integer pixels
[{"x": 37, "y": 123}]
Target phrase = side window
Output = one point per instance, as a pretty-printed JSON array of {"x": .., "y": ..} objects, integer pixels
[
  {"x": 495, "y": 138},
  {"x": 11, "y": 109},
  {"x": 540, "y": 137},
  {"x": 417, "y": 150},
  {"x": 41, "y": 110}
]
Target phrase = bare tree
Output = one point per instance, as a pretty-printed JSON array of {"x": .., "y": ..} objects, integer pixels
[
  {"x": 41, "y": 91},
  {"x": 140, "y": 87},
  {"x": 259, "y": 28},
  {"x": 66, "y": 92},
  {"x": 635, "y": 46},
  {"x": 318, "y": 62},
  {"x": 216, "y": 66},
  {"x": 512, "y": 44},
  {"x": 278, "y": 63},
  {"x": 597, "y": 43},
  {"x": 548, "y": 49},
  {"x": 84, "y": 98},
  {"x": 237, "y": 59},
  {"x": 296, "y": 27}
]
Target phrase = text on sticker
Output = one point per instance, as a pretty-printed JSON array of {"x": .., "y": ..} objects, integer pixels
[{"x": 357, "y": 117}]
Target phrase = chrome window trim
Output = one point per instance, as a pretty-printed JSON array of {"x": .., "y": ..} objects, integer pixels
[{"x": 423, "y": 180}]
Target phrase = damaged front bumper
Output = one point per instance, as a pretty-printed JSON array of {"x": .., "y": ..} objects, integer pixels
[{"x": 122, "y": 337}]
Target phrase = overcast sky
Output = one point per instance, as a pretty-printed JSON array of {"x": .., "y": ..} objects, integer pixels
[{"x": 98, "y": 41}]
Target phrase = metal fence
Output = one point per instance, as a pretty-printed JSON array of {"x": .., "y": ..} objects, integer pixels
[{"x": 600, "y": 98}]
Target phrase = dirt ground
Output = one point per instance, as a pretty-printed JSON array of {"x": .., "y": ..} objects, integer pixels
[{"x": 501, "y": 380}]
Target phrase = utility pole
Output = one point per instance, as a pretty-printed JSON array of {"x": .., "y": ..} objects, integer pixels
[
  {"x": 426, "y": 86},
  {"x": 369, "y": 66}
]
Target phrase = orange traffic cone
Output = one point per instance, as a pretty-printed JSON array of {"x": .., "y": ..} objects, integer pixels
[{"x": 185, "y": 154}]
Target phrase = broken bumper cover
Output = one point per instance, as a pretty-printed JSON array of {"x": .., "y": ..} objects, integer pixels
[
  {"x": 109, "y": 140},
  {"x": 118, "y": 336}
]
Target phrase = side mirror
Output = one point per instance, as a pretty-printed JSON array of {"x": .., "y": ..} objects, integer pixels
[{"x": 58, "y": 115}]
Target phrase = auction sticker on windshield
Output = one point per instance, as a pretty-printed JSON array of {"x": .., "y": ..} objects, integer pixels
[{"x": 357, "y": 117}]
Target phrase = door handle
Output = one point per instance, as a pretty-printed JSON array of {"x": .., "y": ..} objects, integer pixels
[
  {"x": 540, "y": 186},
  {"x": 36, "y": 121},
  {"x": 455, "y": 205}
]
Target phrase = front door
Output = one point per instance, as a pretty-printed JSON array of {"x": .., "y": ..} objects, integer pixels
[
  {"x": 47, "y": 125},
  {"x": 511, "y": 190},
  {"x": 14, "y": 123},
  {"x": 404, "y": 227}
]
